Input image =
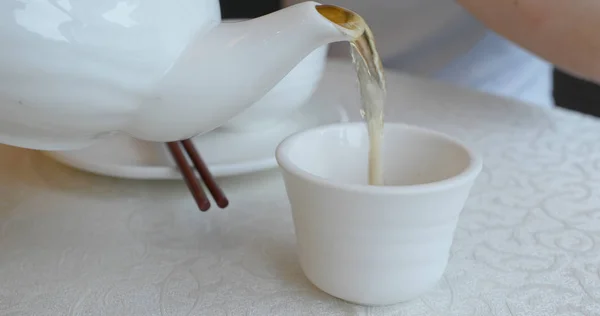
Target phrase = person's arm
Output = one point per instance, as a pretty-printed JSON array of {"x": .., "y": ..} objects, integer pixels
[{"x": 564, "y": 32}]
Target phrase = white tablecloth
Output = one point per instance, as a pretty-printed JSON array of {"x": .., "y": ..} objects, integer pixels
[{"x": 527, "y": 242}]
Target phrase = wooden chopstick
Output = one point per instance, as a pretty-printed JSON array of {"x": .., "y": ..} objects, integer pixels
[
  {"x": 189, "y": 176},
  {"x": 205, "y": 174}
]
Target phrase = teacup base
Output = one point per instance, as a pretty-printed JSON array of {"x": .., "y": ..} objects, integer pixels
[{"x": 374, "y": 301}]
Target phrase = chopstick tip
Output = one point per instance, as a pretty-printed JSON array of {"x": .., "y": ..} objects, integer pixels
[
  {"x": 222, "y": 203},
  {"x": 204, "y": 205}
]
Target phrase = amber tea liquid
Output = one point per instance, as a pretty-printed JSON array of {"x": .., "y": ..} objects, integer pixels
[{"x": 371, "y": 80}]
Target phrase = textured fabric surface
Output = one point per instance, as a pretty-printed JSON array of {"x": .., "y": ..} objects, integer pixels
[{"x": 527, "y": 241}]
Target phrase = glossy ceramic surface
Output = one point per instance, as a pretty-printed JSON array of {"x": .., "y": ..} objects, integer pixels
[
  {"x": 124, "y": 157},
  {"x": 74, "y": 70},
  {"x": 375, "y": 245},
  {"x": 291, "y": 93}
]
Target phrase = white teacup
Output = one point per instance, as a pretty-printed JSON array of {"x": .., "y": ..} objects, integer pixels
[{"x": 375, "y": 245}]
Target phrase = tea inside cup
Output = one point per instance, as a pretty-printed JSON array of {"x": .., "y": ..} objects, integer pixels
[
  {"x": 375, "y": 245},
  {"x": 339, "y": 153}
]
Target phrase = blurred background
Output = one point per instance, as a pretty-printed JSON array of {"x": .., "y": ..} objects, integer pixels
[{"x": 435, "y": 39}]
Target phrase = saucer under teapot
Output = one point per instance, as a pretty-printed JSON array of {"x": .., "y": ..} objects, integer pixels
[{"x": 225, "y": 152}]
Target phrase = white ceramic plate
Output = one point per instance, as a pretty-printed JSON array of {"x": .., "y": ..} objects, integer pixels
[{"x": 226, "y": 153}]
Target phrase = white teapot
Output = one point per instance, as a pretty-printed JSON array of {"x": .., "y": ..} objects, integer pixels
[{"x": 74, "y": 70}]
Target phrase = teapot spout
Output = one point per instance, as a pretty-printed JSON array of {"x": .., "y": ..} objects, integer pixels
[{"x": 226, "y": 70}]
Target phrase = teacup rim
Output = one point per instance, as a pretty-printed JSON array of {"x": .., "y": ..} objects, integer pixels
[{"x": 468, "y": 174}]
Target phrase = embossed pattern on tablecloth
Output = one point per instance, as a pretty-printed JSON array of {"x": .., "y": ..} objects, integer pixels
[{"x": 527, "y": 243}]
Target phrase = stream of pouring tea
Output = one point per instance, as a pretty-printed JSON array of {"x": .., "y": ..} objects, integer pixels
[
  {"x": 372, "y": 90},
  {"x": 371, "y": 80}
]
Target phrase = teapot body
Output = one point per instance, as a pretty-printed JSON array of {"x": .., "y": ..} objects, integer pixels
[
  {"x": 127, "y": 43},
  {"x": 71, "y": 70},
  {"x": 74, "y": 70}
]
